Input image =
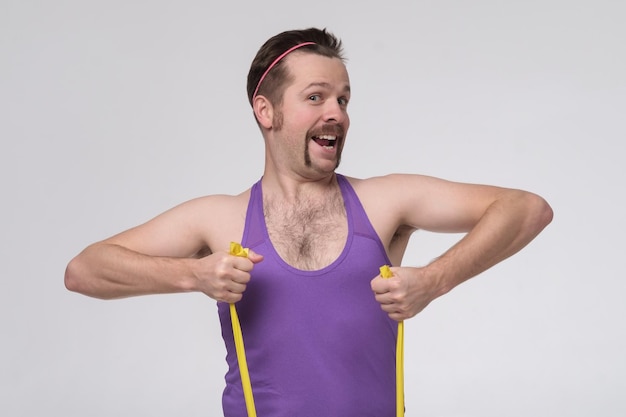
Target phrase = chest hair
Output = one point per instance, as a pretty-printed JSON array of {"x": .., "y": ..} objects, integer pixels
[{"x": 308, "y": 233}]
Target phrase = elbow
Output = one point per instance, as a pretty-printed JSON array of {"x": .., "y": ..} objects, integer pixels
[
  {"x": 72, "y": 277},
  {"x": 82, "y": 276},
  {"x": 78, "y": 278},
  {"x": 541, "y": 212}
]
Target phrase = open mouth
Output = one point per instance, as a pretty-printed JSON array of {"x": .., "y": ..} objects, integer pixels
[{"x": 326, "y": 141}]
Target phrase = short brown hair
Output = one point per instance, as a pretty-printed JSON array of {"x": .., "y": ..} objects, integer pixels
[{"x": 326, "y": 44}]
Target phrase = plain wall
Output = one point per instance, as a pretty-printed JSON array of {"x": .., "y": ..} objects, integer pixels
[{"x": 114, "y": 111}]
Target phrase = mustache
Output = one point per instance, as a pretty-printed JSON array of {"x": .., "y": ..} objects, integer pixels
[{"x": 329, "y": 129}]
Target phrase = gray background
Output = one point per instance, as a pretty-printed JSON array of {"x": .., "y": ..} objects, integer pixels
[{"x": 113, "y": 111}]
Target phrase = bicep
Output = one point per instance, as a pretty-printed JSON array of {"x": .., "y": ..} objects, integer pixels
[
  {"x": 178, "y": 232},
  {"x": 438, "y": 205}
]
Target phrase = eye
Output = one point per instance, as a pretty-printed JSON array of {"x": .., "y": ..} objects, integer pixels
[
  {"x": 343, "y": 101},
  {"x": 315, "y": 97}
]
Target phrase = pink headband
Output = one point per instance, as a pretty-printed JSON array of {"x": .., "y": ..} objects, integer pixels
[{"x": 273, "y": 64}]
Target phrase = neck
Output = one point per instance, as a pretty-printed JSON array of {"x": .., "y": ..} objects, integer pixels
[{"x": 290, "y": 188}]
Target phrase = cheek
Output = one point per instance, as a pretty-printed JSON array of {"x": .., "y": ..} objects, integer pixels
[{"x": 346, "y": 127}]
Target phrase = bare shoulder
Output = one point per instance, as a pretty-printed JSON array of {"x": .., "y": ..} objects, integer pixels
[
  {"x": 219, "y": 219},
  {"x": 218, "y": 204},
  {"x": 389, "y": 182},
  {"x": 377, "y": 191}
]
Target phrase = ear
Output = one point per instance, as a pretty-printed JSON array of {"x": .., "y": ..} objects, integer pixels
[{"x": 263, "y": 111}]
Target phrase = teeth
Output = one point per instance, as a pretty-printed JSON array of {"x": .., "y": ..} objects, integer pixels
[{"x": 325, "y": 141}]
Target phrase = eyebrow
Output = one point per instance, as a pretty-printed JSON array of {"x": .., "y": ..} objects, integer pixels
[{"x": 326, "y": 86}]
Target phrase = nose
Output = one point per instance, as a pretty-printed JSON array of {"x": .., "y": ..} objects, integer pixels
[{"x": 335, "y": 112}]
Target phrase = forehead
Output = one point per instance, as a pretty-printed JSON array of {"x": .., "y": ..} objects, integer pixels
[{"x": 306, "y": 68}]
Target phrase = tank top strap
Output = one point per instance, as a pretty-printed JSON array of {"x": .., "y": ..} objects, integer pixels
[
  {"x": 360, "y": 221},
  {"x": 254, "y": 230}
]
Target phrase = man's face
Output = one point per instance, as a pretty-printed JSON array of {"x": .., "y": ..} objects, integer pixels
[{"x": 312, "y": 122}]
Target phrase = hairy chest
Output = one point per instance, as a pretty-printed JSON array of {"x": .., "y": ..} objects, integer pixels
[{"x": 308, "y": 234}]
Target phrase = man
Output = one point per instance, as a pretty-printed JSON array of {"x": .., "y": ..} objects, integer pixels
[{"x": 317, "y": 319}]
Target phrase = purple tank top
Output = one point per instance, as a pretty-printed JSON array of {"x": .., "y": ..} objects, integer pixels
[{"x": 317, "y": 342}]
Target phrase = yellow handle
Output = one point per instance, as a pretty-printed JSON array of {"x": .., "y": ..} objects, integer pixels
[
  {"x": 385, "y": 272},
  {"x": 237, "y": 250}
]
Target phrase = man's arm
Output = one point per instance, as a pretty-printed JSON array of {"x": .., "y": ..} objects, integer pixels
[
  {"x": 499, "y": 222},
  {"x": 163, "y": 256},
  {"x": 106, "y": 270}
]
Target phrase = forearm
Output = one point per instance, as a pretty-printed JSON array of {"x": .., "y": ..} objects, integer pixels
[
  {"x": 508, "y": 225},
  {"x": 109, "y": 271}
]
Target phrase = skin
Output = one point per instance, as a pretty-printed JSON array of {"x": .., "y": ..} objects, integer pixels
[{"x": 185, "y": 248}]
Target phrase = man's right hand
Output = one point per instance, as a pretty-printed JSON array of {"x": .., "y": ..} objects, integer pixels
[{"x": 224, "y": 277}]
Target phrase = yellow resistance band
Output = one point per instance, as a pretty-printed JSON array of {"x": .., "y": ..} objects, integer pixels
[
  {"x": 237, "y": 250},
  {"x": 385, "y": 272}
]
